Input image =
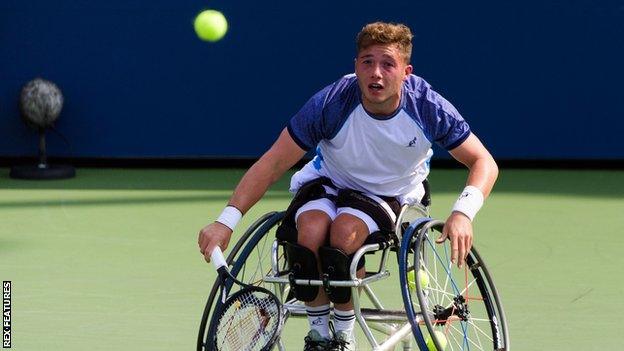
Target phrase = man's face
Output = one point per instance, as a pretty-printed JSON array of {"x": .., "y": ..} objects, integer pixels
[{"x": 381, "y": 70}]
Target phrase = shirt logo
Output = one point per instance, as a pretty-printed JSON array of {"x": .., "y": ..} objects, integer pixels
[
  {"x": 412, "y": 143},
  {"x": 318, "y": 159}
]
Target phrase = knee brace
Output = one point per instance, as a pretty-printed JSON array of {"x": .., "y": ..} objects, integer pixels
[
  {"x": 335, "y": 265},
  {"x": 303, "y": 265}
]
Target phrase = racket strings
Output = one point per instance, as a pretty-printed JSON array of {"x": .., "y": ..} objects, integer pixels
[{"x": 248, "y": 323}]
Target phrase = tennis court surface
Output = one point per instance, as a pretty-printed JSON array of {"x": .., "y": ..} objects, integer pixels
[{"x": 109, "y": 259}]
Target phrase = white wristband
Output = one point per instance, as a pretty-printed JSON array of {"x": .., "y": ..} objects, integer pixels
[
  {"x": 230, "y": 217},
  {"x": 469, "y": 202}
]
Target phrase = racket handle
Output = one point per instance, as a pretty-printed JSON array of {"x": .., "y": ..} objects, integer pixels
[{"x": 217, "y": 258}]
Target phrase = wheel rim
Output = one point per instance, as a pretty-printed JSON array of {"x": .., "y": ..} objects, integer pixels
[
  {"x": 461, "y": 306},
  {"x": 254, "y": 233}
]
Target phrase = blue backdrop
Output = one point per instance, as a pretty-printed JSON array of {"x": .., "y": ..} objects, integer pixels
[{"x": 535, "y": 79}]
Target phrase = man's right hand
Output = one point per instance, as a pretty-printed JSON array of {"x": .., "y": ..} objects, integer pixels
[{"x": 211, "y": 236}]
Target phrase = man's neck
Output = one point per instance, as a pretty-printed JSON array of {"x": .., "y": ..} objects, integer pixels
[{"x": 384, "y": 109}]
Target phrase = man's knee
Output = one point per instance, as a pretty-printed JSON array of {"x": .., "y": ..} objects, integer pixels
[
  {"x": 348, "y": 233},
  {"x": 313, "y": 228}
]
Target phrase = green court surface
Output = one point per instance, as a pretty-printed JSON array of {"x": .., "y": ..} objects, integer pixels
[{"x": 109, "y": 260}]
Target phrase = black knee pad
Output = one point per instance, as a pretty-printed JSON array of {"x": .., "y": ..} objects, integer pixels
[
  {"x": 335, "y": 265},
  {"x": 302, "y": 264},
  {"x": 360, "y": 263}
]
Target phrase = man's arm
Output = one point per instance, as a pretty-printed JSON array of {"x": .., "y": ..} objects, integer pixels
[
  {"x": 482, "y": 175},
  {"x": 267, "y": 170}
]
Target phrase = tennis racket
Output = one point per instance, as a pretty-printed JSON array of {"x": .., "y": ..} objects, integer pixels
[{"x": 250, "y": 319}]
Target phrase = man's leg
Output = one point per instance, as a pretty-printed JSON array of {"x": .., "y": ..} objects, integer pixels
[
  {"x": 313, "y": 229},
  {"x": 348, "y": 233}
]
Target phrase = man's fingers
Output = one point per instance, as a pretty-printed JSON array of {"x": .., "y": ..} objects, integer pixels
[
  {"x": 207, "y": 257},
  {"x": 461, "y": 246},
  {"x": 454, "y": 250},
  {"x": 211, "y": 236},
  {"x": 203, "y": 241},
  {"x": 442, "y": 237},
  {"x": 468, "y": 247}
]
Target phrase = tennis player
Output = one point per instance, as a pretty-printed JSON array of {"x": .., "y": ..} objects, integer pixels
[{"x": 373, "y": 132}]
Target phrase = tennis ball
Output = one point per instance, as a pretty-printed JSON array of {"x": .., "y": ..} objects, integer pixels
[
  {"x": 441, "y": 340},
  {"x": 423, "y": 278},
  {"x": 210, "y": 25}
]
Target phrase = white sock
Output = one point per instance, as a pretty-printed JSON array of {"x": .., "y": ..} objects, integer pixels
[
  {"x": 344, "y": 321},
  {"x": 318, "y": 318}
]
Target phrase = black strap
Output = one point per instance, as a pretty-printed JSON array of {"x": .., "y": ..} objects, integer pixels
[
  {"x": 426, "y": 199},
  {"x": 359, "y": 201},
  {"x": 312, "y": 190}
]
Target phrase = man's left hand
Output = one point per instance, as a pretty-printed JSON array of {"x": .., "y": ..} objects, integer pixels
[{"x": 458, "y": 228}]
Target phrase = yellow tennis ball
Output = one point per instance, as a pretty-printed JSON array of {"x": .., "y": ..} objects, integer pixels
[
  {"x": 210, "y": 25},
  {"x": 441, "y": 340},
  {"x": 411, "y": 280},
  {"x": 423, "y": 278}
]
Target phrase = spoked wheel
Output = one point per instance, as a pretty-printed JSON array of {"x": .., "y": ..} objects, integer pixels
[
  {"x": 250, "y": 259},
  {"x": 449, "y": 308}
]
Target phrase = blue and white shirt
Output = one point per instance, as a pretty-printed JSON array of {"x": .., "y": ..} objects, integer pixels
[{"x": 387, "y": 156}]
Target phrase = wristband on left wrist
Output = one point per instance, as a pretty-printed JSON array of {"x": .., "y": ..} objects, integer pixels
[{"x": 469, "y": 202}]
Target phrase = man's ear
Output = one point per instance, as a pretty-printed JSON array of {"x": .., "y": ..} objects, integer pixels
[{"x": 408, "y": 71}]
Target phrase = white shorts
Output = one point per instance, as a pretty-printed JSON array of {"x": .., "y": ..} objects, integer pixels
[
  {"x": 329, "y": 207},
  {"x": 308, "y": 173}
]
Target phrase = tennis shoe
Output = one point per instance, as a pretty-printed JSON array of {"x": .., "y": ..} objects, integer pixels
[
  {"x": 315, "y": 342},
  {"x": 342, "y": 341}
]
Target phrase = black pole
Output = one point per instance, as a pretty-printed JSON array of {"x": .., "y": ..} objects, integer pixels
[{"x": 43, "y": 160}]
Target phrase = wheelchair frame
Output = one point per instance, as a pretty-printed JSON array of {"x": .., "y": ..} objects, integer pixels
[{"x": 399, "y": 326}]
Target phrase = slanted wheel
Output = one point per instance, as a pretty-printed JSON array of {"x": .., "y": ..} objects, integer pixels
[
  {"x": 249, "y": 258},
  {"x": 454, "y": 309}
]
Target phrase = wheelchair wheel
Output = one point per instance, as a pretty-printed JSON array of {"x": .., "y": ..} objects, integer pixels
[
  {"x": 457, "y": 309},
  {"x": 254, "y": 237}
]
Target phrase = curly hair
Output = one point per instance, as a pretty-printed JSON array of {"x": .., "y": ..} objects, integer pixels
[{"x": 386, "y": 33}]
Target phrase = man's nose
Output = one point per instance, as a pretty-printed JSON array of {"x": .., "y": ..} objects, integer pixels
[{"x": 376, "y": 71}]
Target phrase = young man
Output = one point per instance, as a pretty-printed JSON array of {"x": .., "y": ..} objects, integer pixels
[{"x": 373, "y": 131}]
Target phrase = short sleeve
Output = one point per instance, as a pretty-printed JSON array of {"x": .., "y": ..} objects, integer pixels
[
  {"x": 442, "y": 121},
  {"x": 306, "y": 126}
]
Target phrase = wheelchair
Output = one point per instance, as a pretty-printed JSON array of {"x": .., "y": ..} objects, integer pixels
[{"x": 444, "y": 307}]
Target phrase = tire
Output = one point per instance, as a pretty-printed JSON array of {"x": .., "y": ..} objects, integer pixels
[
  {"x": 458, "y": 307},
  {"x": 236, "y": 258}
]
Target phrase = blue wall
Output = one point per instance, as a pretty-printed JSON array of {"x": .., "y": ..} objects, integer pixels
[{"x": 535, "y": 79}]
